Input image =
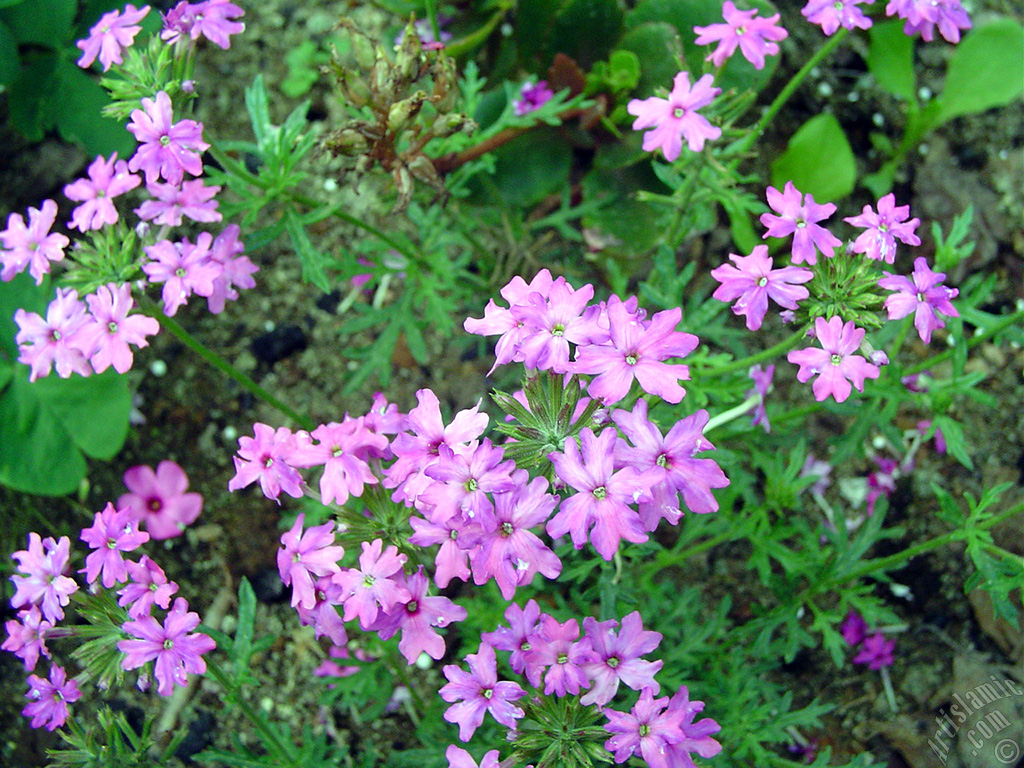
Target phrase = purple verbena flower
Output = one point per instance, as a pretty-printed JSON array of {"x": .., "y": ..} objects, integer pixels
[
  {"x": 876, "y": 652},
  {"x": 159, "y": 500},
  {"x": 166, "y": 148},
  {"x": 834, "y": 364},
  {"x": 49, "y": 699},
  {"x": 668, "y": 464},
  {"x": 148, "y": 586},
  {"x": 556, "y": 648},
  {"x": 822, "y": 470},
  {"x": 26, "y": 637},
  {"x": 797, "y": 214},
  {"x": 105, "y": 339},
  {"x": 43, "y": 583},
  {"x": 112, "y": 532},
  {"x": 676, "y": 117},
  {"x": 305, "y": 554},
  {"x": 417, "y": 618},
  {"x": 923, "y": 295},
  {"x": 753, "y": 281},
  {"x": 236, "y": 270},
  {"x": 343, "y": 450},
  {"x": 373, "y": 586},
  {"x": 762, "y": 378},
  {"x": 462, "y": 482},
  {"x": 175, "y": 651},
  {"x": 114, "y": 32},
  {"x": 696, "y": 736},
  {"x": 883, "y": 229},
  {"x": 532, "y": 96},
  {"x": 647, "y": 731},
  {"x": 266, "y": 457},
  {"x": 211, "y": 19},
  {"x": 924, "y": 15},
  {"x": 500, "y": 321},
  {"x": 456, "y": 537},
  {"x": 509, "y": 551},
  {"x": 460, "y": 758},
  {"x": 474, "y": 693},
  {"x": 854, "y": 629},
  {"x": 602, "y": 495},
  {"x": 617, "y": 658},
  {"x": 550, "y": 321},
  {"x": 756, "y": 37},
  {"x": 172, "y": 201},
  {"x": 183, "y": 268},
  {"x": 830, "y": 15},
  {"x": 637, "y": 350},
  {"x": 515, "y": 638},
  {"x": 31, "y": 246},
  {"x": 107, "y": 179}
]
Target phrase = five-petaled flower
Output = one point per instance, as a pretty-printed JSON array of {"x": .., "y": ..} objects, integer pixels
[
  {"x": 474, "y": 693},
  {"x": 756, "y": 37},
  {"x": 676, "y": 117},
  {"x": 834, "y": 364},
  {"x": 798, "y": 215},
  {"x": 114, "y": 32},
  {"x": 923, "y": 294},
  {"x": 753, "y": 281}
]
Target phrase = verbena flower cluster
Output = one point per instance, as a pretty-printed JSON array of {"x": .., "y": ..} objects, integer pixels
[
  {"x": 90, "y": 333},
  {"x": 149, "y": 628}
]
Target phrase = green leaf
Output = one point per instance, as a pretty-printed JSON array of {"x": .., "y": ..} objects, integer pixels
[
  {"x": 891, "y": 59},
  {"x": 27, "y": 95},
  {"x": 984, "y": 71},
  {"x": 657, "y": 46},
  {"x": 75, "y": 110},
  {"x": 623, "y": 70},
  {"x": 46, "y": 23},
  {"x": 311, "y": 259},
  {"x": 956, "y": 445},
  {"x": 818, "y": 160},
  {"x": 586, "y": 30},
  {"x": 9, "y": 62},
  {"x": 534, "y": 21},
  {"x": 531, "y": 167}
]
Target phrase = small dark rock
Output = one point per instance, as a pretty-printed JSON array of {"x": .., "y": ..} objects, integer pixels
[
  {"x": 329, "y": 301},
  {"x": 267, "y": 586},
  {"x": 198, "y": 738},
  {"x": 279, "y": 343}
]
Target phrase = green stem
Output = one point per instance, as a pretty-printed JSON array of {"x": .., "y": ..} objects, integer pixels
[
  {"x": 1003, "y": 324},
  {"x": 755, "y": 133},
  {"x": 271, "y": 739},
  {"x": 760, "y": 357},
  {"x": 337, "y": 213},
  {"x": 149, "y": 307}
]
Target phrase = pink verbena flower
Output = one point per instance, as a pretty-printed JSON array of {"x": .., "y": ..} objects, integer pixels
[
  {"x": 555, "y": 646},
  {"x": 324, "y": 616},
  {"x": 49, "y": 699},
  {"x": 617, "y": 658},
  {"x": 148, "y": 586},
  {"x": 755, "y": 36},
  {"x": 462, "y": 482},
  {"x": 112, "y": 532},
  {"x": 43, "y": 583},
  {"x": 637, "y": 350},
  {"x": 343, "y": 450},
  {"x": 175, "y": 651},
  {"x": 211, "y": 19},
  {"x": 474, "y": 693},
  {"x": 183, "y": 268},
  {"x": 43, "y": 344},
  {"x": 834, "y": 364},
  {"x": 305, "y": 554},
  {"x": 372, "y": 587},
  {"x": 105, "y": 339},
  {"x": 172, "y": 201},
  {"x": 500, "y": 321},
  {"x": 460, "y": 758},
  {"x": 876, "y": 652},
  {"x": 551, "y": 321},
  {"x": 26, "y": 637},
  {"x": 107, "y": 179},
  {"x": 266, "y": 457},
  {"x": 696, "y": 736},
  {"x": 854, "y": 629},
  {"x": 523, "y": 623},
  {"x": 160, "y": 500},
  {"x": 668, "y": 464},
  {"x": 676, "y": 117},
  {"x": 832, "y": 14},
  {"x": 532, "y": 96},
  {"x": 166, "y": 148},
  {"x": 236, "y": 270},
  {"x": 797, "y": 215},
  {"x": 114, "y": 32},
  {"x": 603, "y": 495},
  {"x": 762, "y": 378},
  {"x": 508, "y": 550},
  {"x": 923, "y": 295},
  {"x": 753, "y": 281},
  {"x": 456, "y": 537},
  {"x": 647, "y": 731},
  {"x": 924, "y": 15},
  {"x": 31, "y": 246},
  {"x": 417, "y": 618},
  {"x": 883, "y": 229}
]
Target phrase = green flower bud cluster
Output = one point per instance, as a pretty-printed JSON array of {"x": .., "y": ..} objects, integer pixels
[
  {"x": 845, "y": 285},
  {"x": 403, "y": 103}
]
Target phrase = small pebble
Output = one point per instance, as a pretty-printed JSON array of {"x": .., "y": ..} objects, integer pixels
[
  {"x": 824, "y": 89},
  {"x": 924, "y": 93},
  {"x": 229, "y": 433},
  {"x": 878, "y": 119},
  {"x": 158, "y": 368}
]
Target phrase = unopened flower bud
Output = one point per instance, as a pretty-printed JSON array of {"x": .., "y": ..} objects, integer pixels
[
  {"x": 403, "y": 111},
  {"x": 422, "y": 167},
  {"x": 450, "y": 124},
  {"x": 346, "y": 141},
  {"x": 381, "y": 84},
  {"x": 362, "y": 49},
  {"x": 407, "y": 65}
]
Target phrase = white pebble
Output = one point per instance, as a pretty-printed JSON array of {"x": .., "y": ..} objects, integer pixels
[
  {"x": 269, "y": 325},
  {"x": 924, "y": 93},
  {"x": 423, "y": 661},
  {"x": 878, "y": 119},
  {"x": 229, "y": 433},
  {"x": 853, "y": 96},
  {"x": 824, "y": 89},
  {"x": 158, "y": 368},
  {"x": 330, "y": 185}
]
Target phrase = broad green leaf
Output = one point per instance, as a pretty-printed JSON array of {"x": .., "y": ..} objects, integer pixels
[
  {"x": 92, "y": 410},
  {"x": 76, "y": 114},
  {"x": 534, "y": 21},
  {"x": 657, "y": 46},
  {"x": 531, "y": 167},
  {"x": 891, "y": 59},
  {"x": 818, "y": 160},
  {"x": 26, "y": 98},
  {"x": 46, "y": 23},
  {"x": 9, "y": 61},
  {"x": 586, "y": 30},
  {"x": 985, "y": 70}
]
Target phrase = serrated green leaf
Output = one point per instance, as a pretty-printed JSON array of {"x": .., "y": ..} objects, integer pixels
[{"x": 313, "y": 262}]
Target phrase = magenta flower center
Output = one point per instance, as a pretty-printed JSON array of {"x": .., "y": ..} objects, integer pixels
[
  {"x": 154, "y": 505},
  {"x": 336, "y": 452},
  {"x": 558, "y": 330},
  {"x": 662, "y": 460},
  {"x": 165, "y": 140},
  {"x": 368, "y": 580},
  {"x": 453, "y": 535},
  {"x": 412, "y": 606},
  {"x": 55, "y": 335},
  {"x": 562, "y": 658},
  {"x": 268, "y": 462},
  {"x": 644, "y": 730},
  {"x": 471, "y": 485},
  {"x": 112, "y": 327},
  {"x": 631, "y": 359},
  {"x": 180, "y": 272},
  {"x": 762, "y": 282}
]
